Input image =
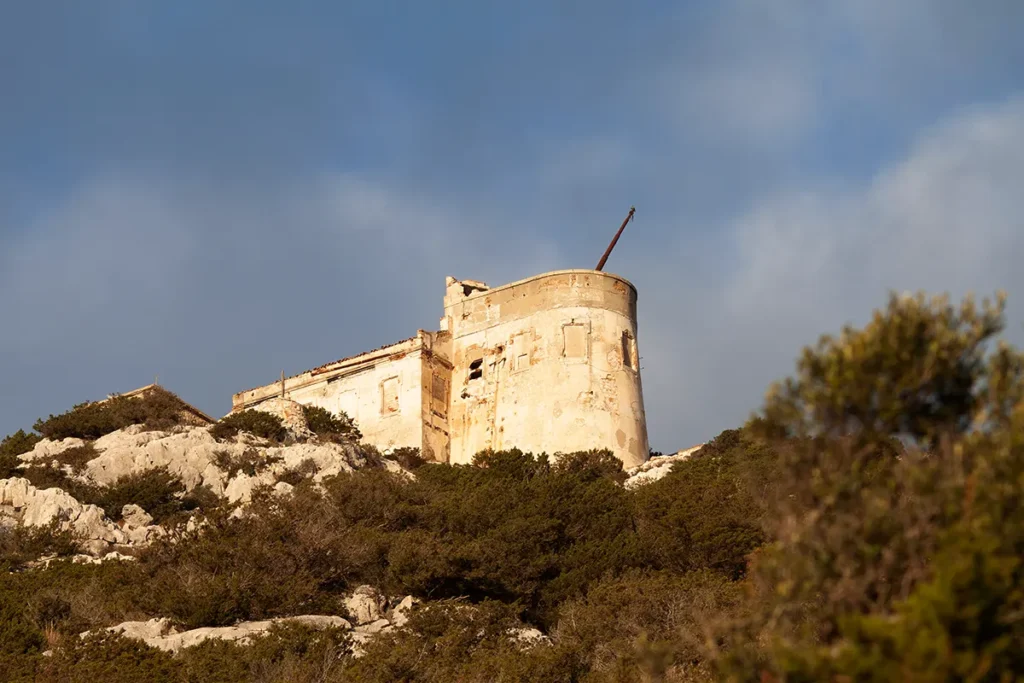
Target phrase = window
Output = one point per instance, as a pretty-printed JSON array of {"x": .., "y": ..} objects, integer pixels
[
  {"x": 439, "y": 395},
  {"x": 520, "y": 353},
  {"x": 629, "y": 353},
  {"x": 476, "y": 369},
  {"x": 389, "y": 396},
  {"x": 574, "y": 340}
]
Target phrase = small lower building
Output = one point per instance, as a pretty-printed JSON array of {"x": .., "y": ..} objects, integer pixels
[{"x": 546, "y": 364}]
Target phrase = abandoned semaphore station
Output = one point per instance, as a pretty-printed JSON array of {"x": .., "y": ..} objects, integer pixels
[{"x": 545, "y": 364}]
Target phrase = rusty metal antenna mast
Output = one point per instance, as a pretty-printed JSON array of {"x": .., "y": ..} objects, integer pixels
[{"x": 608, "y": 251}]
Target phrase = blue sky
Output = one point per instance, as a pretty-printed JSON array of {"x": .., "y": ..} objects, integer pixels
[{"x": 216, "y": 191}]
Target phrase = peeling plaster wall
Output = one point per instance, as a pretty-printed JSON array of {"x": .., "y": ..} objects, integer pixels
[
  {"x": 549, "y": 363},
  {"x": 546, "y": 364},
  {"x": 381, "y": 390}
]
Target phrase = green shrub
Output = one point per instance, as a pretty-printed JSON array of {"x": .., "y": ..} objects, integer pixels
[
  {"x": 298, "y": 474},
  {"x": 408, "y": 457},
  {"x": 156, "y": 491},
  {"x": 893, "y": 562},
  {"x": 20, "y": 544},
  {"x": 704, "y": 513},
  {"x": 327, "y": 425},
  {"x": 286, "y": 652},
  {"x": 249, "y": 462},
  {"x": 255, "y": 422},
  {"x": 644, "y": 626},
  {"x": 76, "y": 458},
  {"x": 11, "y": 447},
  {"x": 454, "y": 641},
  {"x": 156, "y": 409},
  {"x": 111, "y": 658},
  {"x": 46, "y": 477}
]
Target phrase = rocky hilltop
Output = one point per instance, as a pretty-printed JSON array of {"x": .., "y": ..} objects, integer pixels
[{"x": 177, "y": 513}]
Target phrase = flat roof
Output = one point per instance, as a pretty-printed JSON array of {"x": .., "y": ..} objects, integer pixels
[{"x": 569, "y": 271}]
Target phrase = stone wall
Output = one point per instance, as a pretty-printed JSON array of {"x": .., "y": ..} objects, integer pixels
[
  {"x": 549, "y": 363},
  {"x": 381, "y": 390}
]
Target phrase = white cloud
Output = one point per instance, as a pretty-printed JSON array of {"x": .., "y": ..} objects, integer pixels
[{"x": 949, "y": 217}]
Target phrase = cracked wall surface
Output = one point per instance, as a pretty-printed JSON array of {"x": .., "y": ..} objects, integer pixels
[{"x": 549, "y": 364}]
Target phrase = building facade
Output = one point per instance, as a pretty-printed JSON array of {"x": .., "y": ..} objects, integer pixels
[{"x": 546, "y": 364}]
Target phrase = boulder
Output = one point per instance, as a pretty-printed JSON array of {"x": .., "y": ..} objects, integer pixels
[
  {"x": 363, "y": 605},
  {"x": 400, "y": 614},
  {"x": 134, "y": 516}
]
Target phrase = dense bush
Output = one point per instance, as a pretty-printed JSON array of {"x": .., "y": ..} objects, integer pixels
[
  {"x": 894, "y": 562},
  {"x": 298, "y": 474},
  {"x": 255, "y": 422},
  {"x": 11, "y": 447},
  {"x": 286, "y": 653},
  {"x": 20, "y": 544},
  {"x": 249, "y": 462},
  {"x": 76, "y": 458},
  {"x": 156, "y": 409},
  {"x": 704, "y": 513},
  {"x": 329, "y": 426},
  {"x": 408, "y": 457},
  {"x": 156, "y": 491}
]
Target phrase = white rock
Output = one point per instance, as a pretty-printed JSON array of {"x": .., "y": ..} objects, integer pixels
[
  {"x": 191, "y": 455},
  {"x": 142, "y": 630},
  {"x": 363, "y": 605},
  {"x": 39, "y": 507},
  {"x": 527, "y": 637},
  {"x": 188, "y": 454},
  {"x": 158, "y": 633},
  {"x": 657, "y": 467},
  {"x": 46, "y": 449},
  {"x": 374, "y": 626},
  {"x": 135, "y": 516},
  {"x": 400, "y": 614}
]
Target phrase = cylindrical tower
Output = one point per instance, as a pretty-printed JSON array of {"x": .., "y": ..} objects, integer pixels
[{"x": 546, "y": 364}]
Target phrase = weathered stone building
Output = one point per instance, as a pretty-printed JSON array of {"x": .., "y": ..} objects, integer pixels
[{"x": 549, "y": 363}]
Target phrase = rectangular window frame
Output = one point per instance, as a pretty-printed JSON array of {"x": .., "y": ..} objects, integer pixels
[
  {"x": 587, "y": 343},
  {"x": 630, "y": 353},
  {"x": 389, "y": 408}
]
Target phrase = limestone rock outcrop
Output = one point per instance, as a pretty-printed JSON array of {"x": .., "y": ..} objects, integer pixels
[
  {"x": 47, "y": 449},
  {"x": 657, "y": 467},
  {"x": 22, "y": 503},
  {"x": 160, "y": 633}
]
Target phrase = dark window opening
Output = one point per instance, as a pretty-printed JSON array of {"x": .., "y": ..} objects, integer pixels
[
  {"x": 628, "y": 351},
  {"x": 476, "y": 369}
]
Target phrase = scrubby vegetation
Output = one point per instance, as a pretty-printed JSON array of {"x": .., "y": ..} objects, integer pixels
[
  {"x": 156, "y": 409},
  {"x": 865, "y": 525},
  {"x": 156, "y": 491},
  {"x": 250, "y": 461},
  {"x": 11, "y": 447},
  {"x": 330, "y": 426},
  {"x": 255, "y": 422}
]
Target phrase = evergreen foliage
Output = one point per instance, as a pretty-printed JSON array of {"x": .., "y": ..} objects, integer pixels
[
  {"x": 255, "y": 422},
  {"x": 156, "y": 409},
  {"x": 866, "y": 524}
]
